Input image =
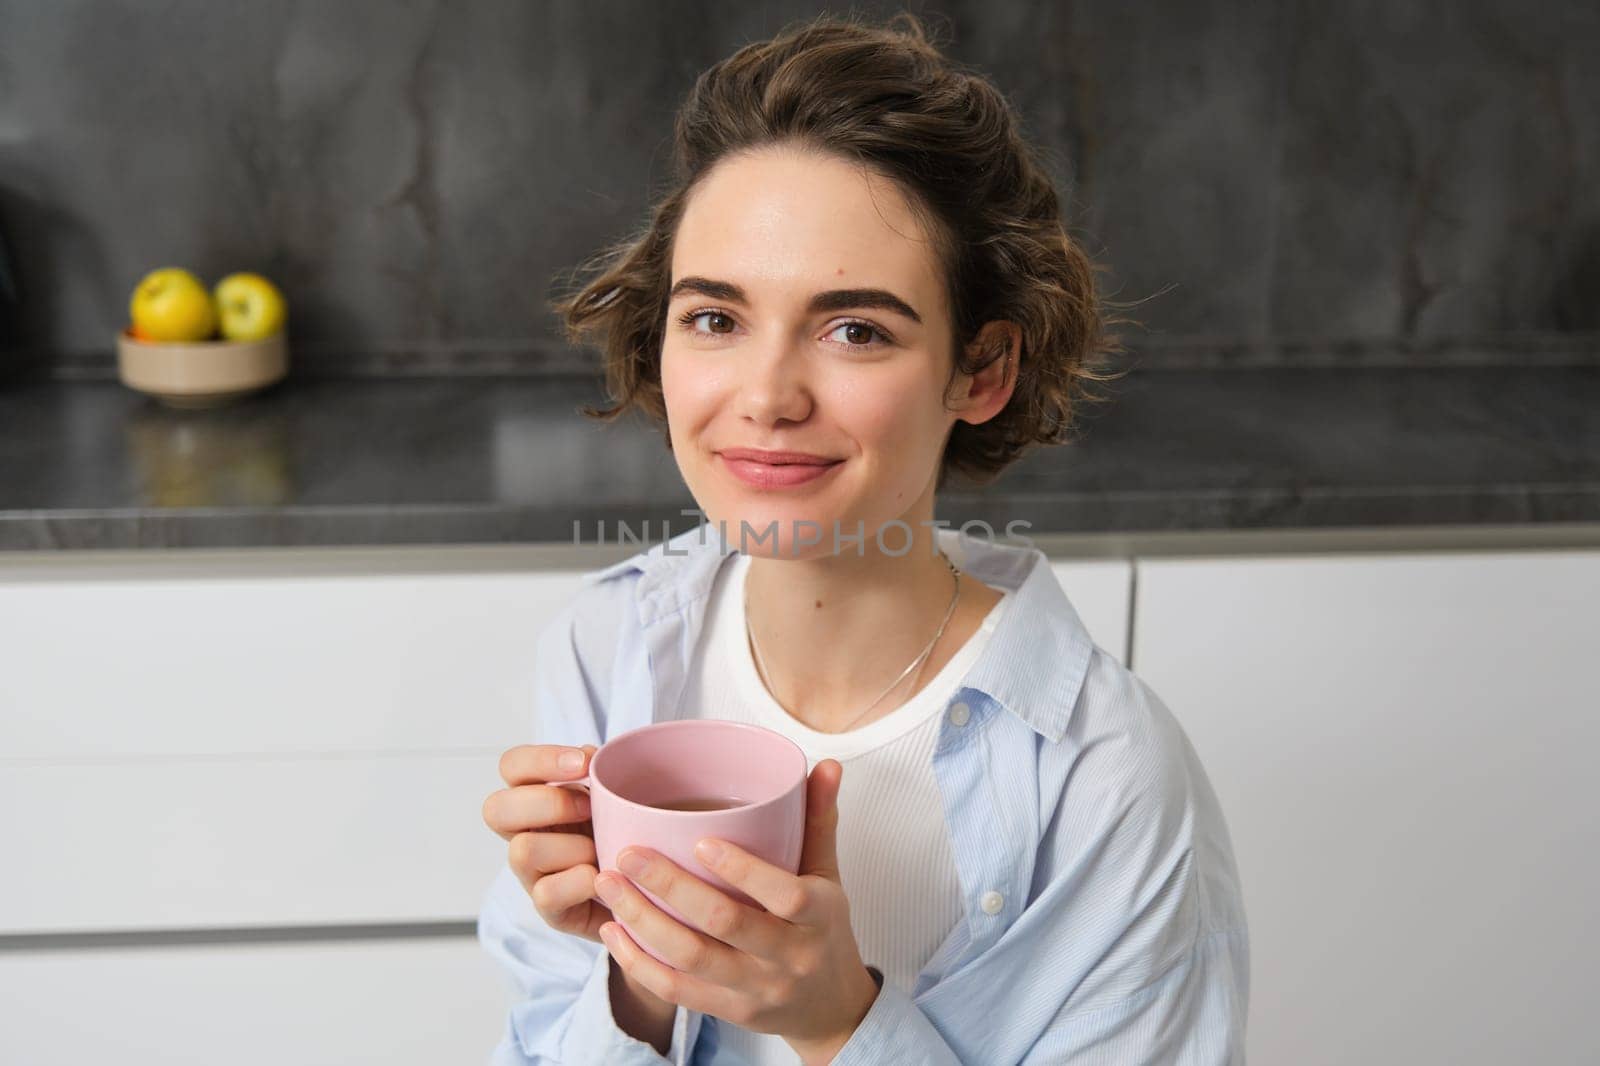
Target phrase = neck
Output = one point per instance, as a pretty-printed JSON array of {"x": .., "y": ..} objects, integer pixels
[{"x": 835, "y": 630}]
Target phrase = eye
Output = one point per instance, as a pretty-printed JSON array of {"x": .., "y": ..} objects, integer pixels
[
  {"x": 864, "y": 330},
  {"x": 689, "y": 319}
]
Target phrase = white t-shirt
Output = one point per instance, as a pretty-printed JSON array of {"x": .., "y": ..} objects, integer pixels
[{"x": 894, "y": 849}]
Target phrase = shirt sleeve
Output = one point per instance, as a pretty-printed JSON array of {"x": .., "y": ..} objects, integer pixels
[
  {"x": 1193, "y": 1016},
  {"x": 895, "y": 1032},
  {"x": 1141, "y": 938},
  {"x": 1190, "y": 1018},
  {"x": 559, "y": 984}
]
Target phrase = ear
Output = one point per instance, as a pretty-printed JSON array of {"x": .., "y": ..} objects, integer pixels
[{"x": 981, "y": 396}]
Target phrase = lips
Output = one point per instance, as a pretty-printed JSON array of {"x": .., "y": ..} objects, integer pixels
[
  {"x": 776, "y": 458},
  {"x": 772, "y": 470}
]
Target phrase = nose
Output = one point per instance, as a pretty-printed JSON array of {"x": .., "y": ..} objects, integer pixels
[{"x": 773, "y": 383}]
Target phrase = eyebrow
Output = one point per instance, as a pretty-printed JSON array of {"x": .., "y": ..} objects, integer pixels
[{"x": 831, "y": 300}]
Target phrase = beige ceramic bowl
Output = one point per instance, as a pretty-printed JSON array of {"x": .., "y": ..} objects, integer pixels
[{"x": 201, "y": 373}]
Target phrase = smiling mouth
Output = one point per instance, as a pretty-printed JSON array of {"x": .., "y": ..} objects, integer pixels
[{"x": 776, "y": 475}]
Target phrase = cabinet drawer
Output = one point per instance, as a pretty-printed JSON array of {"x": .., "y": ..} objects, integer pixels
[
  {"x": 404, "y": 1002},
  {"x": 222, "y": 842},
  {"x": 177, "y": 657}
]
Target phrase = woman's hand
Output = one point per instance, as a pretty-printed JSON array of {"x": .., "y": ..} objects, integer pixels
[
  {"x": 549, "y": 835},
  {"x": 793, "y": 969}
]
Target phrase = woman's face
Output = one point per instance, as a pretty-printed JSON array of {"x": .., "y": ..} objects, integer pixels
[{"x": 807, "y": 314}]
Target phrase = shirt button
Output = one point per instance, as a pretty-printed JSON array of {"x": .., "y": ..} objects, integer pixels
[
  {"x": 992, "y": 902},
  {"x": 959, "y": 713}
]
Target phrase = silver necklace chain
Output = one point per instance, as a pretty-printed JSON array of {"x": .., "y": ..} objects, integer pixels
[{"x": 915, "y": 664}]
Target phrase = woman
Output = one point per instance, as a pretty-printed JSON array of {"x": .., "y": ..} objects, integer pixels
[{"x": 864, "y": 268}]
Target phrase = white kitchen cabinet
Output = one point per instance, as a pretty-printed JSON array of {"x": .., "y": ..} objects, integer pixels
[
  {"x": 1403, "y": 746},
  {"x": 249, "y": 741}
]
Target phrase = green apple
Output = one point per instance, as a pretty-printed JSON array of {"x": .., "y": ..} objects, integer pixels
[{"x": 249, "y": 307}]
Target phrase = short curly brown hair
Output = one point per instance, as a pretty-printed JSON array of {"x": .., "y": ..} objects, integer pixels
[{"x": 884, "y": 97}]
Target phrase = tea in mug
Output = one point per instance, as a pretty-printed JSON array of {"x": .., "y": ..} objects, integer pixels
[{"x": 701, "y": 803}]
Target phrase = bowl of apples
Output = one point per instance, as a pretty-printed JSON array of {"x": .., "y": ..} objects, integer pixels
[{"x": 190, "y": 348}]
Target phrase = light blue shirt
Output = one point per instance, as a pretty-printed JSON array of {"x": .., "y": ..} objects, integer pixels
[{"x": 1103, "y": 924}]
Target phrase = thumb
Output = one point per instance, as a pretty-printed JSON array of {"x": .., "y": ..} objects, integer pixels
[{"x": 820, "y": 855}]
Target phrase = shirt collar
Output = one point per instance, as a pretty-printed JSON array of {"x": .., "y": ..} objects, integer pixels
[{"x": 1036, "y": 660}]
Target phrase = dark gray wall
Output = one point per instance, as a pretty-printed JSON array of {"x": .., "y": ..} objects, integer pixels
[{"x": 1397, "y": 181}]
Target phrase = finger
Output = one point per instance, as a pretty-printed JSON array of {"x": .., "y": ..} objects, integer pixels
[
  {"x": 727, "y": 922},
  {"x": 820, "y": 854},
  {"x": 684, "y": 949},
  {"x": 670, "y": 985},
  {"x": 516, "y": 810},
  {"x": 555, "y": 895},
  {"x": 537, "y": 854},
  {"x": 532, "y": 764},
  {"x": 786, "y": 896}
]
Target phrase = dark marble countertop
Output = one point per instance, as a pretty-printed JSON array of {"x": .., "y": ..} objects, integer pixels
[{"x": 482, "y": 460}]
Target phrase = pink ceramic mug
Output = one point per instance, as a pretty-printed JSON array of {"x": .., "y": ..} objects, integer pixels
[{"x": 635, "y": 774}]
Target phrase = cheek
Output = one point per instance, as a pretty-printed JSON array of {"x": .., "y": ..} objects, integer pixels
[
  {"x": 892, "y": 418},
  {"x": 692, "y": 368},
  {"x": 685, "y": 390}
]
